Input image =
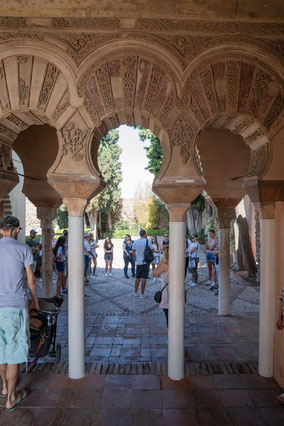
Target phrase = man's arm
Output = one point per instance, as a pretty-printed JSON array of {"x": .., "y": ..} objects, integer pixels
[
  {"x": 32, "y": 288},
  {"x": 134, "y": 254}
]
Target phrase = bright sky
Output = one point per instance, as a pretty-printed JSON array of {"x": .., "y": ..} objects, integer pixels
[{"x": 134, "y": 161}]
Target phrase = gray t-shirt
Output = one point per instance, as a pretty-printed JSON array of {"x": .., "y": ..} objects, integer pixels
[
  {"x": 139, "y": 246},
  {"x": 14, "y": 257}
]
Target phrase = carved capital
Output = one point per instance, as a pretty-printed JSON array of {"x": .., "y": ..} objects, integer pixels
[
  {"x": 183, "y": 192},
  {"x": 75, "y": 206},
  {"x": 264, "y": 191},
  {"x": 7, "y": 182},
  {"x": 225, "y": 216},
  {"x": 46, "y": 215},
  {"x": 76, "y": 186}
]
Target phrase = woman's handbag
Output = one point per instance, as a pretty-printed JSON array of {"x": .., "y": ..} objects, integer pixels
[{"x": 158, "y": 294}]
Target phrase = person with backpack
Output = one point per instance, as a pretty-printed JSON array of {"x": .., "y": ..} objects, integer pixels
[{"x": 142, "y": 251}]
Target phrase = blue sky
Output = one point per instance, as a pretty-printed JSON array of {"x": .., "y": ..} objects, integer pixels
[{"x": 133, "y": 160}]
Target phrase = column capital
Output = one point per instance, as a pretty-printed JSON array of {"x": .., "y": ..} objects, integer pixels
[
  {"x": 46, "y": 213},
  {"x": 225, "y": 216},
  {"x": 8, "y": 181},
  {"x": 75, "y": 206},
  {"x": 177, "y": 211}
]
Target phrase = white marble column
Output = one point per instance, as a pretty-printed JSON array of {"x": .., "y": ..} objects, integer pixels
[
  {"x": 46, "y": 216},
  {"x": 267, "y": 297},
  {"x": 225, "y": 215},
  {"x": 76, "y": 288},
  {"x": 176, "y": 293}
]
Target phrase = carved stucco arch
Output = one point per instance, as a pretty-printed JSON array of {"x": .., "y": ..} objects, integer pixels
[{"x": 241, "y": 91}]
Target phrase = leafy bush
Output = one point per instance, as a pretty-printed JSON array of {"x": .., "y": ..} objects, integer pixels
[
  {"x": 122, "y": 224},
  {"x": 62, "y": 216},
  {"x": 201, "y": 237},
  {"x": 157, "y": 232}
]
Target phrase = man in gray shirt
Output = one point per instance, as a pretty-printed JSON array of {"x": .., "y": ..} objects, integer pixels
[
  {"x": 15, "y": 258},
  {"x": 142, "y": 269}
]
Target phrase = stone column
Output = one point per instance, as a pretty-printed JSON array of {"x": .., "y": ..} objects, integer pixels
[
  {"x": 176, "y": 291},
  {"x": 46, "y": 215},
  {"x": 225, "y": 215},
  {"x": 76, "y": 287},
  {"x": 267, "y": 289}
]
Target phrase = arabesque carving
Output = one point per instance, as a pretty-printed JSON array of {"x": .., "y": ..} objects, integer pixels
[
  {"x": 182, "y": 135},
  {"x": 102, "y": 76},
  {"x": 7, "y": 132},
  {"x": 129, "y": 80},
  {"x": 209, "y": 89},
  {"x": 233, "y": 79},
  {"x": 74, "y": 139},
  {"x": 274, "y": 112},
  {"x": 258, "y": 90},
  {"x": 15, "y": 22},
  {"x": 49, "y": 81},
  {"x": 6, "y": 162},
  {"x": 166, "y": 109},
  {"x": 156, "y": 80},
  {"x": 61, "y": 107},
  {"x": 258, "y": 161},
  {"x": 15, "y": 120}
]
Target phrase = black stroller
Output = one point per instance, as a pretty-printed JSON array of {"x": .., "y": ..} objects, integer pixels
[{"x": 43, "y": 324}]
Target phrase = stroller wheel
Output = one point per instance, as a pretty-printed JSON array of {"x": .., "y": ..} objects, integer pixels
[{"x": 58, "y": 352}]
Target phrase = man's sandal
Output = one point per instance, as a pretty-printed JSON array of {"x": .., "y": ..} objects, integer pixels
[
  {"x": 22, "y": 398},
  {"x": 281, "y": 399},
  {"x": 3, "y": 396}
]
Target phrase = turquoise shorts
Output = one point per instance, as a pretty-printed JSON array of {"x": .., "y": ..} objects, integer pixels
[{"x": 14, "y": 336}]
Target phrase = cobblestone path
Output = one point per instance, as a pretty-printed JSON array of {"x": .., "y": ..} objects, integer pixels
[{"x": 121, "y": 328}]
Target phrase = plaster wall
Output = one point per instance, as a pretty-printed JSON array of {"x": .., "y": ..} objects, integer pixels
[
  {"x": 264, "y": 10},
  {"x": 279, "y": 283}
]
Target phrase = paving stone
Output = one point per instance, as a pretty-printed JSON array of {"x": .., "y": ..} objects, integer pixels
[
  {"x": 147, "y": 399},
  {"x": 146, "y": 382},
  {"x": 264, "y": 397},
  {"x": 236, "y": 398},
  {"x": 142, "y": 417},
  {"x": 57, "y": 398},
  {"x": 213, "y": 417},
  {"x": 116, "y": 398},
  {"x": 256, "y": 381},
  {"x": 114, "y": 417},
  {"x": 228, "y": 381},
  {"x": 177, "y": 399},
  {"x": 86, "y": 399},
  {"x": 247, "y": 416},
  {"x": 118, "y": 382},
  {"x": 179, "y": 417},
  {"x": 79, "y": 416},
  {"x": 273, "y": 416}
]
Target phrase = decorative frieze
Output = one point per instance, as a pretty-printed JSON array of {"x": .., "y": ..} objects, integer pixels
[
  {"x": 6, "y": 162},
  {"x": 61, "y": 107},
  {"x": 208, "y": 85},
  {"x": 258, "y": 90},
  {"x": 8, "y": 133},
  {"x": 233, "y": 79},
  {"x": 102, "y": 76},
  {"x": 17, "y": 122},
  {"x": 258, "y": 161},
  {"x": 91, "y": 108},
  {"x": 274, "y": 112},
  {"x": 74, "y": 139},
  {"x": 156, "y": 80}
]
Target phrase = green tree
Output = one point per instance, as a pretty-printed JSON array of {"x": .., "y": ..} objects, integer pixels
[
  {"x": 107, "y": 201},
  {"x": 154, "y": 152}
]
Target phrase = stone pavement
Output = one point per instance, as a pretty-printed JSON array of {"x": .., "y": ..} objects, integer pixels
[
  {"x": 112, "y": 400},
  {"x": 121, "y": 328}
]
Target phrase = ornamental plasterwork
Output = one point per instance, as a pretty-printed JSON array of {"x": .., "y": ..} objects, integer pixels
[
  {"x": 74, "y": 139},
  {"x": 6, "y": 162},
  {"x": 182, "y": 135},
  {"x": 258, "y": 161},
  {"x": 50, "y": 78}
]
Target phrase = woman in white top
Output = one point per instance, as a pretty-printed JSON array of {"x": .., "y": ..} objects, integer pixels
[
  {"x": 211, "y": 244},
  {"x": 93, "y": 260},
  {"x": 194, "y": 259},
  {"x": 156, "y": 253}
]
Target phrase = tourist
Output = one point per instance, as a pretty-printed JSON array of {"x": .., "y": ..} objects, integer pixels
[
  {"x": 163, "y": 270},
  {"x": 64, "y": 288},
  {"x": 60, "y": 256},
  {"x": 93, "y": 260},
  {"x": 87, "y": 255},
  {"x": 128, "y": 256},
  {"x": 194, "y": 259},
  {"x": 279, "y": 326},
  {"x": 142, "y": 267},
  {"x": 187, "y": 251},
  {"x": 210, "y": 244},
  {"x": 108, "y": 249},
  {"x": 156, "y": 253},
  {"x": 15, "y": 257},
  {"x": 31, "y": 242},
  {"x": 165, "y": 242},
  {"x": 216, "y": 261}
]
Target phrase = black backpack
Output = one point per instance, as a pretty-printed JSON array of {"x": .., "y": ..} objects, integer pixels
[{"x": 148, "y": 254}]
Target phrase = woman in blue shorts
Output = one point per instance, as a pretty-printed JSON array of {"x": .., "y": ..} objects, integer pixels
[
  {"x": 60, "y": 255},
  {"x": 211, "y": 244}
]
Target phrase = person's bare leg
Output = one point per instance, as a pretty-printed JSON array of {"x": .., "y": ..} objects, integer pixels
[
  {"x": 143, "y": 285},
  {"x": 12, "y": 374},
  {"x": 110, "y": 266},
  {"x": 210, "y": 270},
  {"x": 3, "y": 368},
  {"x": 59, "y": 283},
  {"x": 106, "y": 267},
  {"x": 137, "y": 282}
]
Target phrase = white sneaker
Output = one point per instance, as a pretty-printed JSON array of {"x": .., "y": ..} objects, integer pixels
[
  {"x": 212, "y": 284},
  {"x": 192, "y": 284},
  {"x": 135, "y": 294},
  {"x": 106, "y": 275},
  {"x": 142, "y": 296},
  {"x": 208, "y": 282},
  {"x": 155, "y": 279},
  {"x": 110, "y": 274}
]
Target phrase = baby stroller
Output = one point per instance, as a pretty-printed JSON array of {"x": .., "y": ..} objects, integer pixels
[{"x": 43, "y": 324}]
